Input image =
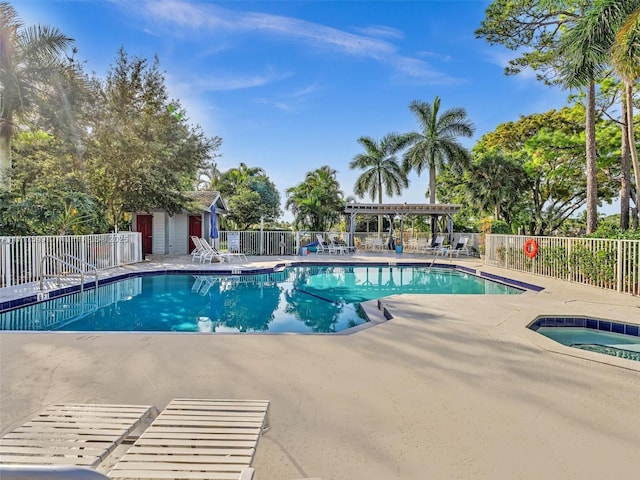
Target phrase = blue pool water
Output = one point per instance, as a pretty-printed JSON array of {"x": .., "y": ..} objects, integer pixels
[
  {"x": 303, "y": 299},
  {"x": 616, "y": 344}
]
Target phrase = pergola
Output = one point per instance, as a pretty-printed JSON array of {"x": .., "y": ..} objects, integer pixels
[{"x": 401, "y": 210}]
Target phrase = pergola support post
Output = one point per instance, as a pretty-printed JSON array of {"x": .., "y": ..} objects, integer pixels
[{"x": 352, "y": 229}]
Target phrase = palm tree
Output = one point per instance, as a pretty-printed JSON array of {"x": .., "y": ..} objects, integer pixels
[
  {"x": 584, "y": 55},
  {"x": 382, "y": 169},
  {"x": 494, "y": 183},
  {"x": 28, "y": 59},
  {"x": 208, "y": 177},
  {"x": 436, "y": 144},
  {"x": 625, "y": 54},
  {"x": 318, "y": 202},
  {"x": 230, "y": 181}
]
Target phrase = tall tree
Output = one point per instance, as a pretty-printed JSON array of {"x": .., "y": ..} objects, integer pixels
[
  {"x": 208, "y": 177},
  {"x": 236, "y": 177},
  {"x": 562, "y": 40},
  {"x": 382, "y": 172},
  {"x": 584, "y": 51},
  {"x": 143, "y": 154},
  {"x": 252, "y": 196},
  {"x": 495, "y": 184},
  {"x": 551, "y": 149},
  {"x": 317, "y": 203},
  {"x": 625, "y": 53},
  {"x": 29, "y": 58},
  {"x": 436, "y": 144}
]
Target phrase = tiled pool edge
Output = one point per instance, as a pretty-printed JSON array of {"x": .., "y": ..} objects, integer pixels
[
  {"x": 558, "y": 348},
  {"x": 31, "y": 299},
  {"x": 584, "y": 321}
]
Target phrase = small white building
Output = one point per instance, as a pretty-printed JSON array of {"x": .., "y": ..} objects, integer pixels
[{"x": 163, "y": 234}]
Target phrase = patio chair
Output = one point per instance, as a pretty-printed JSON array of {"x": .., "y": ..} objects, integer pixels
[
  {"x": 197, "y": 438},
  {"x": 198, "y": 251},
  {"x": 435, "y": 247},
  {"x": 461, "y": 247},
  {"x": 323, "y": 247},
  {"x": 229, "y": 255},
  {"x": 377, "y": 244},
  {"x": 411, "y": 245},
  {"x": 208, "y": 252},
  {"x": 73, "y": 434},
  {"x": 341, "y": 246}
]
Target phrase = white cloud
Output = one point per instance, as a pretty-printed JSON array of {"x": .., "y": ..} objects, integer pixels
[
  {"x": 417, "y": 70},
  {"x": 232, "y": 81},
  {"x": 285, "y": 107},
  {"x": 225, "y": 81},
  {"x": 305, "y": 91},
  {"x": 437, "y": 56},
  {"x": 380, "y": 31},
  {"x": 181, "y": 15}
]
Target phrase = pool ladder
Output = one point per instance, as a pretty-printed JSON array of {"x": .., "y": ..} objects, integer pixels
[{"x": 59, "y": 261}]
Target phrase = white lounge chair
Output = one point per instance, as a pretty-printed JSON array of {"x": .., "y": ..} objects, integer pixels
[
  {"x": 323, "y": 247},
  {"x": 376, "y": 244},
  {"x": 197, "y": 439},
  {"x": 435, "y": 247},
  {"x": 461, "y": 247},
  {"x": 230, "y": 255},
  {"x": 341, "y": 246},
  {"x": 208, "y": 252},
  {"x": 198, "y": 251},
  {"x": 73, "y": 434}
]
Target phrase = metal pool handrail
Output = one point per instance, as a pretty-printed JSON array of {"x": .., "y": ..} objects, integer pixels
[{"x": 68, "y": 264}]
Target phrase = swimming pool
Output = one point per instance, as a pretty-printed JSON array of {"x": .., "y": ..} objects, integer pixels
[
  {"x": 301, "y": 299},
  {"x": 594, "y": 335}
]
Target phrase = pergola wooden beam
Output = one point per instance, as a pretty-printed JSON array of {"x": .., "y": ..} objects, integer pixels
[{"x": 401, "y": 209}]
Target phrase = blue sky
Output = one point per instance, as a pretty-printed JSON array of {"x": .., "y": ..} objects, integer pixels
[{"x": 291, "y": 85}]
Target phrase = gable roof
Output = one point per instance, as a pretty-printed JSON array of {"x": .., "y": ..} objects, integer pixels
[{"x": 203, "y": 199}]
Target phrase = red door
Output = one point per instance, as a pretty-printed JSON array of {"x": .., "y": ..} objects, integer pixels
[
  {"x": 144, "y": 225},
  {"x": 195, "y": 229}
]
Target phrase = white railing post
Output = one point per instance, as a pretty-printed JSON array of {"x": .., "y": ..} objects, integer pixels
[
  {"x": 20, "y": 257},
  {"x": 6, "y": 261},
  {"x": 617, "y": 270},
  {"x": 619, "y": 267}
]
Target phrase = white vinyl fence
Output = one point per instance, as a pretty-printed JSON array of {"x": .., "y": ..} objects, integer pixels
[
  {"x": 28, "y": 259},
  {"x": 271, "y": 242},
  {"x": 605, "y": 263},
  {"x": 289, "y": 243}
]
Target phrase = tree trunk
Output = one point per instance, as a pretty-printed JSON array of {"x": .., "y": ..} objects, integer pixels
[
  {"x": 5, "y": 163},
  {"x": 379, "y": 202},
  {"x": 625, "y": 166},
  {"x": 592, "y": 182},
  {"x": 432, "y": 184},
  {"x": 432, "y": 198},
  {"x": 632, "y": 144}
]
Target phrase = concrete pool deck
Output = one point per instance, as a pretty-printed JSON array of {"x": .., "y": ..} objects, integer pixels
[{"x": 454, "y": 386}]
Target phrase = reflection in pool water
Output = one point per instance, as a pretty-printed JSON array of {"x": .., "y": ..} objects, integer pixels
[{"x": 303, "y": 299}]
